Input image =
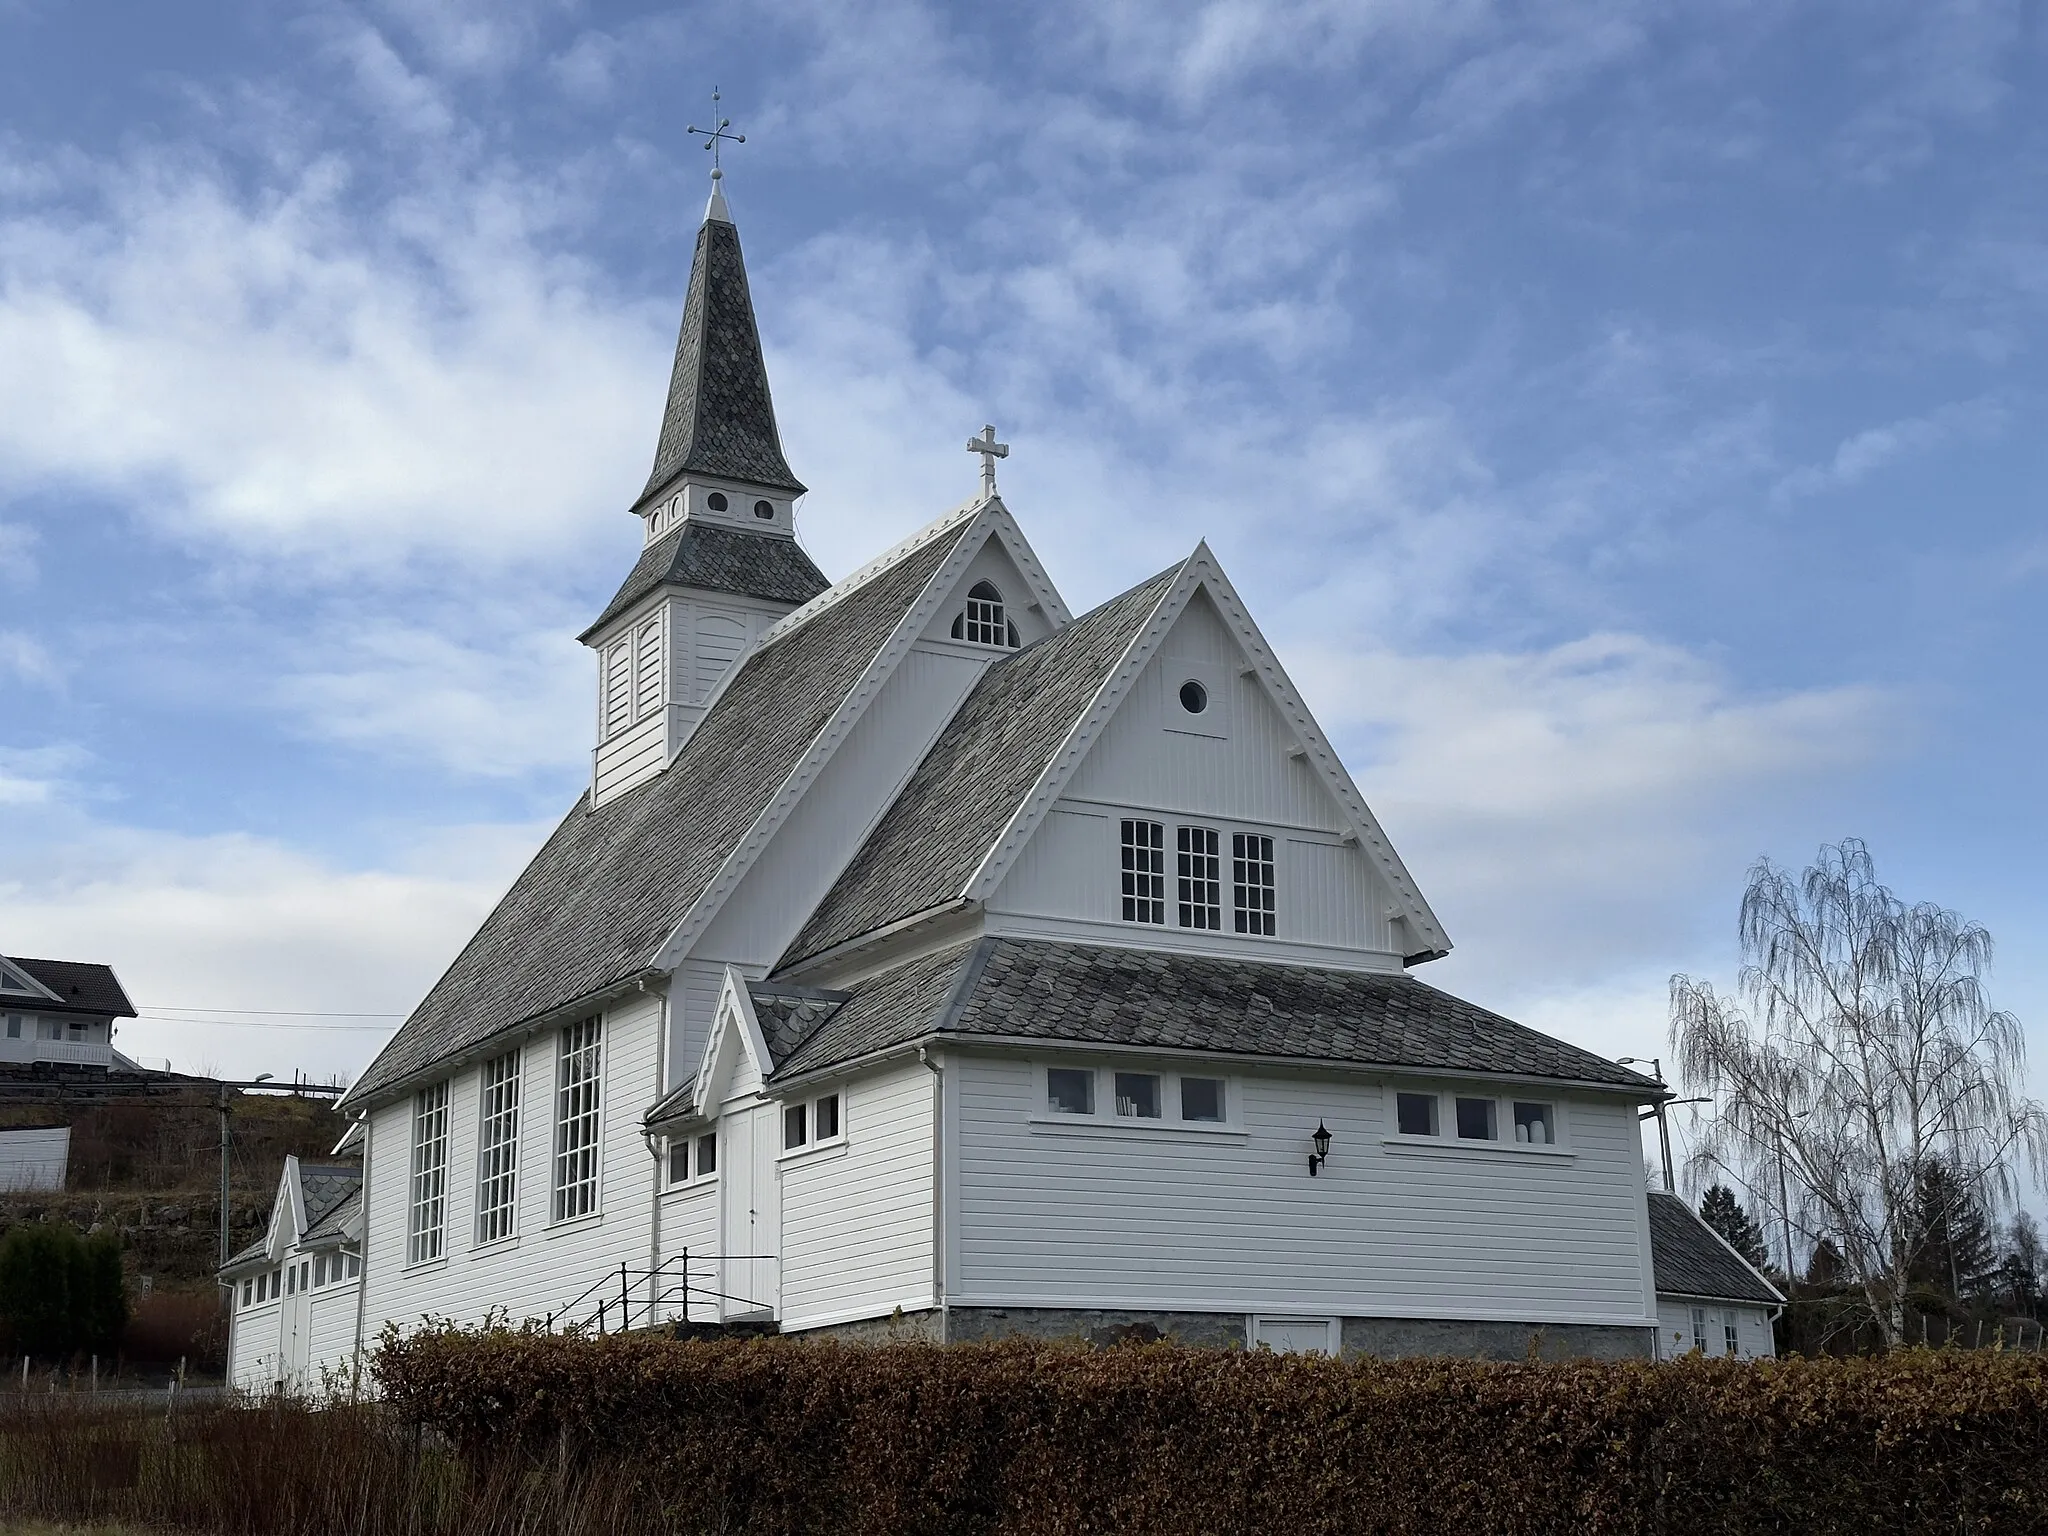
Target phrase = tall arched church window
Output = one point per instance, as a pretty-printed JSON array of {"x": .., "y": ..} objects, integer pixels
[{"x": 983, "y": 621}]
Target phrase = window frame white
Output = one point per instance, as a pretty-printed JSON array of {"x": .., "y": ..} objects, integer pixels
[
  {"x": 576, "y": 1176},
  {"x": 498, "y": 1148},
  {"x": 1445, "y": 1138},
  {"x": 1141, "y": 862},
  {"x": 1198, "y": 874},
  {"x": 808, "y": 1106},
  {"x": 1103, "y": 1115},
  {"x": 1253, "y": 854},
  {"x": 426, "y": 1226}
]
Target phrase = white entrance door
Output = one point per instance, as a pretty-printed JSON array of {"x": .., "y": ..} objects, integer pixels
[
  {"x": 753, "y": 1213},
  {"x": 1296, "y": 1335}
]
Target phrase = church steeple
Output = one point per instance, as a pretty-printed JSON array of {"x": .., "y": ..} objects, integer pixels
[{"x": 720, "y": 420}]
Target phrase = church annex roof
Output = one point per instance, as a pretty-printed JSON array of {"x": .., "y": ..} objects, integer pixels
[
  {"x": 694, "y": 554},
  {"x": 1689, "y": 1259},
  {"x": 719, "y": 419},
  {"x": 1059, "y": 992},
  {"x": 594, "y": 906},
  {"x": 933, "y": 838}
]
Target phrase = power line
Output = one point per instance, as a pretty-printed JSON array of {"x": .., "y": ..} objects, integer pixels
[
  {"x": 269, "y": 1024},
  {"x": 280, "y": 1013}
]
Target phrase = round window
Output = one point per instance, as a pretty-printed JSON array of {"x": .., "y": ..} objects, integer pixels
[
  {"x": 716, "y": 501},
  {"x": 1194, "y": 698},
  {"x": 764, "y": 509}
]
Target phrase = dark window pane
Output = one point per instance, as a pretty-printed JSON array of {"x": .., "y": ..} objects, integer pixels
[
  {"x": 1137, "y": 1095},
  {"x": 678, "y": 1160},
  {"x": 1415, "y": 1113},
  {"x": 1475, "y": 1119},
  {"x": 828, "y": 1117},
  {"x": 793, "y": 1126},
  {"x": 1534, "y": 1123},
  {"x": 1201, "y": 1098},
  {"x": 707, "y": 1153},
  {"x": 1069, "y": 1091}
]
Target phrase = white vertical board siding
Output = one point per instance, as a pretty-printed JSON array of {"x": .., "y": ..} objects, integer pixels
[
  {"x": 1754, "y": 1339},
  {"x": 1068, "y": 869},
  {"x": 1324, "y": 895},
  {"x": 1245, "y": 774},
  {"x": 252, "y": 1358},
  {"x": 692, "y": 1004},
  {"x": 1156, "y": 1217},
  {"x": 992, "y": 563},
  {"x": 544, "y": 1265},
  {"x": 827, "y": 826},
  {"x": 857, "y": 1219}
]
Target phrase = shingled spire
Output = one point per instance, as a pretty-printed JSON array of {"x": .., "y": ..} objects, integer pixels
[{"x": 720, "y": 421}]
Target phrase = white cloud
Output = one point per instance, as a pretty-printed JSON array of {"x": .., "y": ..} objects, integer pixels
[
  {"x": 233, "y": 922},
  {"x": 277, "y": 374},
  {"x": 25, "y": 658},
  {"x": 1579, "y": 807},
  {"x": 36, "y": 775},
  {"x": 1864, "y": 453},
  {"x": 488, "y": 704}
]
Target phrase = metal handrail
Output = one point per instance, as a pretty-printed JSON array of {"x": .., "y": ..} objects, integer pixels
[{"x": 625, "y": 1277}]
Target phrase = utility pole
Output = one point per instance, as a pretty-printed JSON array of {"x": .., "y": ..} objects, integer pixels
[{"x": 1664, "y": 1102}]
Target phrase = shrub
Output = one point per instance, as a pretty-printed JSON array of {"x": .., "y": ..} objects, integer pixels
[
  {"x": 61, "y": 1294},
  {"x": 777, "y": 1436}
]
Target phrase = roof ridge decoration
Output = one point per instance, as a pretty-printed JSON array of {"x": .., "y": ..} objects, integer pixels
[
  {"x": 843, "y": 719},
  {"x": 1201, "y": 570},
  {"x": 893, "y": 556},
  {"x": 719, "y": 419}
]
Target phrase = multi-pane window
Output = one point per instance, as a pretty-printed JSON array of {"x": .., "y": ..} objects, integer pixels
[
  {"x": 1251, "y": 882},
  {"x": 1200, "y": 879},
  {"x": 1144, "y": 872},
  {"x": 429, "y": 1173},
  {"x": 577, "y": 1066},
  {"x": 809, "y": 1124},
  {"x": 1728, "y": 1334},
  {"x": 983, "y": 621},
  {"x": 1699, "y": 1329},
  {"x": 497, "y": 1149}
]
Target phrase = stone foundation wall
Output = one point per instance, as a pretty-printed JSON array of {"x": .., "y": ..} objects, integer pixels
[{"x": 1389, "y": 1338}]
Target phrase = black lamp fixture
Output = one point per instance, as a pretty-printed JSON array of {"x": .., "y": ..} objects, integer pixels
[{"x": 1321, "y": 1155}]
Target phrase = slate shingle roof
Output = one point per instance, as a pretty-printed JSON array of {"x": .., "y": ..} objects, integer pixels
[
  {"x": 931, "y": 840},
  {"x": 610, "y": 884},
  {"x": 335, "y": 1223},
  {"x": 83, "y": 987},
  {"x": 679, "y": 1103},
  {"x": 722, "y": 559},
  {"x": 324, "y": 1186},
  {"x": 1689, "y": 1260},
  {"x": 1047, "y": 990},
  {"x": 719, "y": 420}
]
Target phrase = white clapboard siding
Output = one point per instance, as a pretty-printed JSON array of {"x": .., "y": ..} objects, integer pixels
[
  {"x": 719, "y": 638},
  {"x": 826, "y": 827},
  {"x": 692, "y": 1002},
  {"x": 857, "y": 1220},
  {"x": 331, "y": 1336},
  {"x": 544, "y": 1265},
  {"x": 1210, "y": 1221},
  {"x": 637, "y": 752},
  {"x": 252, "y": 1358},
  {"x": 689, "y": 1234}
]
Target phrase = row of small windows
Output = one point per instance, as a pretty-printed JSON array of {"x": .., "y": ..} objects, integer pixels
[
  {"x": 984, "y": 621},
  {"x": 578, "y": 1125},
  {"x": 1476, "y": 1119},
  {"x": 312, "y": 1274},
  {"x": 1198, "y": 878},
  {"x": 808, "y": 1123},
  {"x": 29, "y": 1026},
  {"x": 665, "y": 517},
  {"x": 1135, "y": 1095}
]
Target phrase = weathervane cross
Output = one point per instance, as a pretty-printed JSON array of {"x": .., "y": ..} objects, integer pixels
[
  {"x": 990, "y": 450},
  {"x": 715, "y": 135}
]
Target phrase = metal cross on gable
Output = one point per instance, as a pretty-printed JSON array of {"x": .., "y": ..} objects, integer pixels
[
  {"x": 715, "y": 135},
  {"x": 990, "y": 450}
]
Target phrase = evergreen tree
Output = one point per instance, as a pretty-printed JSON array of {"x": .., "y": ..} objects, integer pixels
[
  {"x": 2022, "y": 1267},
  {"x": 35, "y": 1288},
  {"x": 99, "y": 1296},
  {"x": 1720, "y": 1210},
  {"x": 1826, "y": 1266},
  {"x": 1952, "y": 1244}
]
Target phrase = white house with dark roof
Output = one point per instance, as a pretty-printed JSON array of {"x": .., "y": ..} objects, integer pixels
[
  {"x": 923, "y": 958},
  {"x": 60, "y": 1013},
  {"x": 1710, "y": 1299}
]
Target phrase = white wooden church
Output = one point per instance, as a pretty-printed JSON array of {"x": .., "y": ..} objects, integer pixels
[{"x": 924, "y": 959}]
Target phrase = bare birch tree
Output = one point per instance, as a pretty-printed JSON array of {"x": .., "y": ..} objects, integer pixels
[{"x": 1859, "y": 1049}]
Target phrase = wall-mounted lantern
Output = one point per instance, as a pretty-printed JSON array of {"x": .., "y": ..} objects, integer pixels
[{"x": 1321, "y": 1155}]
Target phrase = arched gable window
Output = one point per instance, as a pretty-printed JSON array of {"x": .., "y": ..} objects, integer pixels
[{"x": 984, "y": 622}]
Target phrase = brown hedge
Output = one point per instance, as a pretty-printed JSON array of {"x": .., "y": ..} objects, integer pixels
[{"x": 774, "y": 1436}]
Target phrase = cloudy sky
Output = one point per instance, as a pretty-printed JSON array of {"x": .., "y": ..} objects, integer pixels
[{"x": 1625, "y": 421}]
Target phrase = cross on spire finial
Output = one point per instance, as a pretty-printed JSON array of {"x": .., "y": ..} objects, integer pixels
[
  {"x": 990, "y": 450},
  {"x": 715, "y": 135}
]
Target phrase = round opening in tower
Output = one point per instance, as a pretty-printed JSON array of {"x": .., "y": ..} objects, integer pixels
[
  {"x": 716, "y": 501},
  {"x": 1194, "y": 698},
  {"x": 764, "y": 509}
]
